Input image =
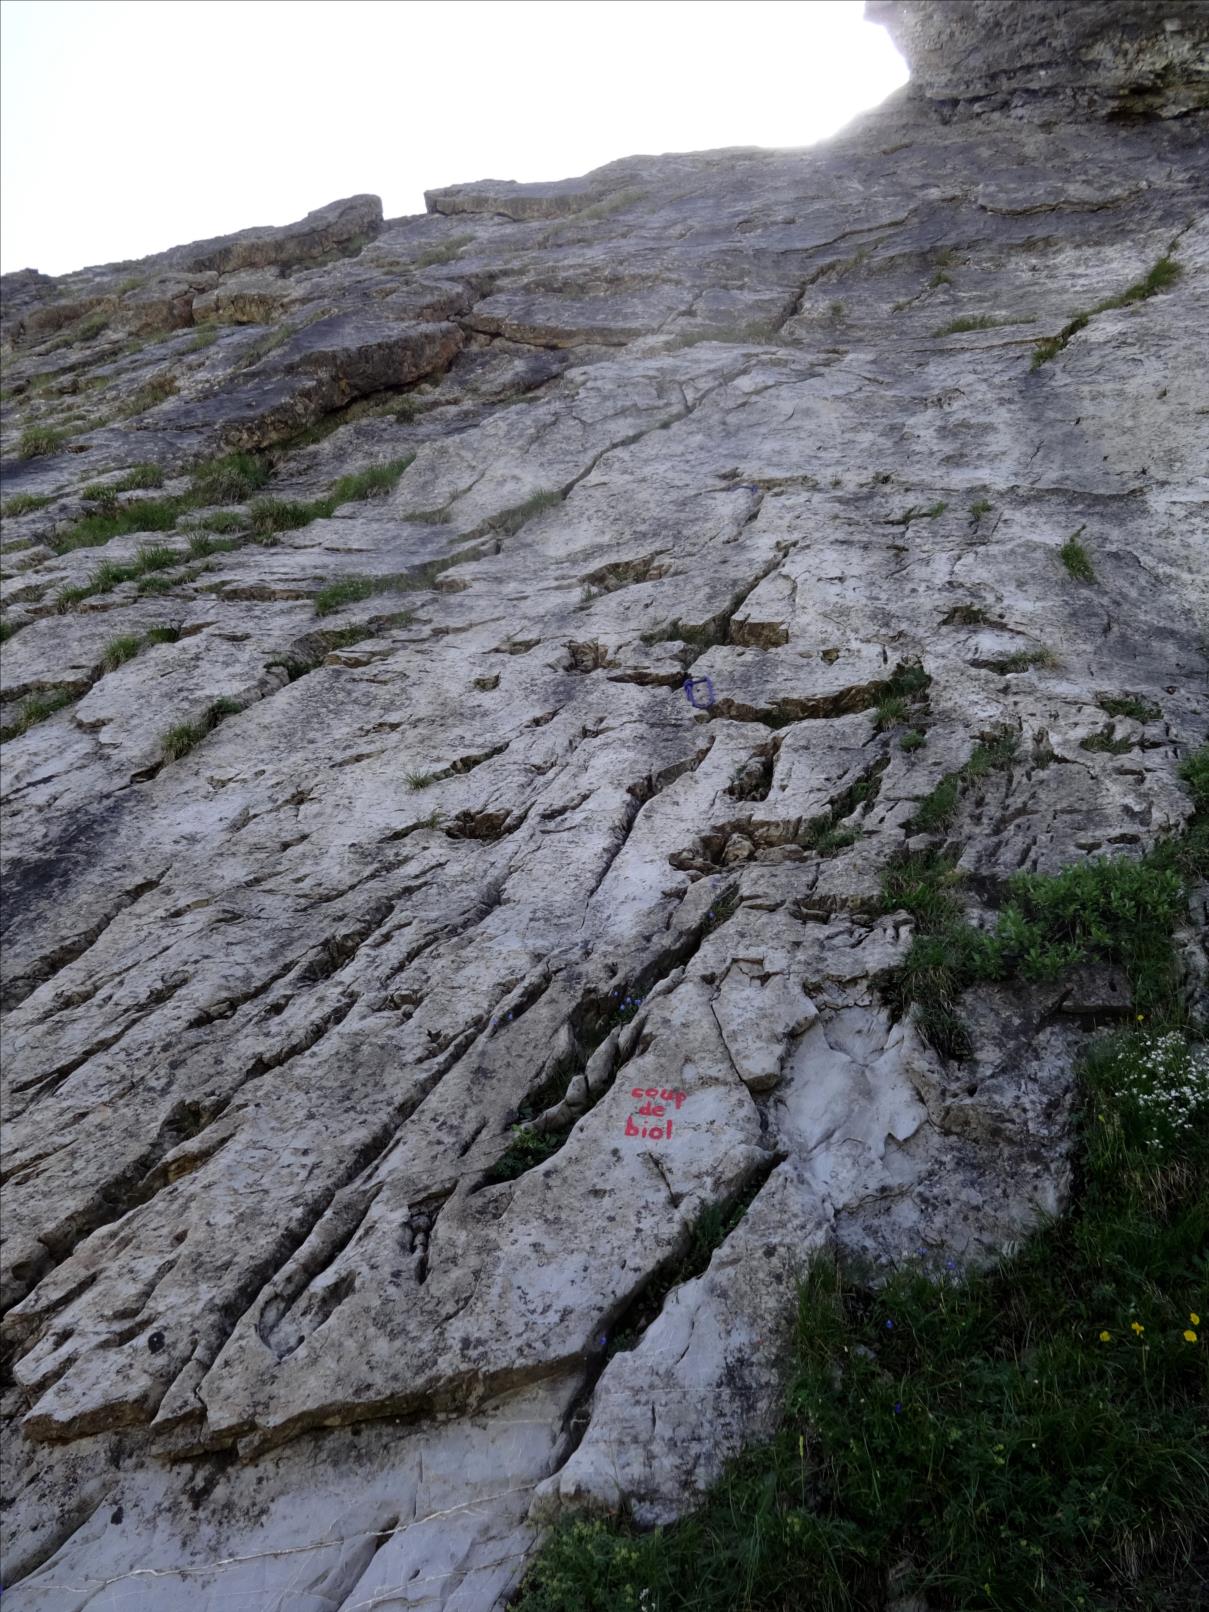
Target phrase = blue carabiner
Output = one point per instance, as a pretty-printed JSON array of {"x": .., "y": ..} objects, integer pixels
[{"x": 690, "y": 683}]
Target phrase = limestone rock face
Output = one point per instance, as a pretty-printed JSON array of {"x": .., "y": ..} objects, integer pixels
[
  {"x": 498, "y": 747},
  {"x": 1043, "y": 57}
]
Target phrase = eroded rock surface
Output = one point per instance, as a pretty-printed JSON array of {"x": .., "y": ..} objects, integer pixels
[{"x": 294, "y": 1319}]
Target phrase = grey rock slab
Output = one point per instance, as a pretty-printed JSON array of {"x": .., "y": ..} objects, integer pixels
[{"x": 430, "y": 1517}]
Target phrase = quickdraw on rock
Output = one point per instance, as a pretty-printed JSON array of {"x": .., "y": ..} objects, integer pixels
[{"x": 699, "y": 683}]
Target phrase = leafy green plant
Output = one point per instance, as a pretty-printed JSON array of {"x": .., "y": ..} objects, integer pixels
[
  {"x": 224, "y": 522},
  {"x": 913, "y": 739},
  {"x": 156, "y": 557},
  {"x": 526, "y": 1150},
  {"x": 370, "y": 482},
  {"x": 955, "y": 327},
  {"x": 138, "y": 478},
  {"x": 201, "y": 545}
]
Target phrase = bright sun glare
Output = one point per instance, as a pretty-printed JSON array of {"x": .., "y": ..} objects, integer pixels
[{"x": 134, "y": 125}]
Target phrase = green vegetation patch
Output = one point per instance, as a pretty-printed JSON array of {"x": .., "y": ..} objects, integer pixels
[
  {"x": 26, "y": 503},
  {"x": 510, "y": 521},
  {"x": 179, "y": 740},
  {"x": 233, "y": 478},
  {"x": 447, "y": 252},
  {"x": 149, "y": 396},
  {"x": 1106, "y": 743},
  {"x": 1027, "y": 1437},
  {"x": 126, "y": 646},
  {"x": 117, "y": 520},
  {"x": 1024, "y": 660},
  {"x": 38, "y": 441},
  {"x": 1076, "y": 559},
  {"x": 350, "y": 590},
  {"x": 1108, "y": 911},
  {"x": 937, "y": 810},
  {"x": 917, "y": 512},
  {"x": 35, "y": 708},
  {"x": 527, "y": 1149},
  {"x": 1131, "y": 705},
  {"x": 137, "y": 479}
]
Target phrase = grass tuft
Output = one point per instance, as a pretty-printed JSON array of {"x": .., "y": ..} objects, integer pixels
[
  {"x": 38, "y": 441},
  {"x": 510, "y": 521},
  {"x": 179, "y": 740},
  {"x": 119, "y": 650},
  {"x": 149, "y": 396},
  {"x": 1076, "y": 559},
  {"x": 1159, "y": 277},
  {"x": 350, "y": 590},
  {"x": 1130, "y": 705},
  {"x": 232, "y": 479},
  {"x": 25, "y": 504},
  {"x": 917, "y": 512},
  {"x": 269, "y": 515},
  {"x": 35, "y": 708}
]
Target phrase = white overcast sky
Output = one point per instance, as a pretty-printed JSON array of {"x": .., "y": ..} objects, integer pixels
[{"x": 134, "y": 125}]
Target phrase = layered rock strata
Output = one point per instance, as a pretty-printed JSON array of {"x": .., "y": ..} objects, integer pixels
[{"x": 295, "y": 1318}]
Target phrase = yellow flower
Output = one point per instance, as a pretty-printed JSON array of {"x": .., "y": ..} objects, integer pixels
[
  {"x": 1195, "y": 1319},
  {"x": 1105, "y": 1337},
  {"x": 1190, "y": 1336},
  {"x": 1135, "y": 1326},
  {"x": 1141, "y": 1018}
]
